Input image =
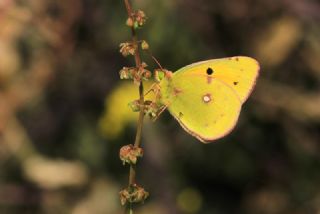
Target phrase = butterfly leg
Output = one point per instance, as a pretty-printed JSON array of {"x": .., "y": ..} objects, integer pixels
[
  {"x": 152, "y": 88},
  {"x": 161, "y": 109}
]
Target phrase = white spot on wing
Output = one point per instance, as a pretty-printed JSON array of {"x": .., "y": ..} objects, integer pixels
[{"x": 206, "y": 98}]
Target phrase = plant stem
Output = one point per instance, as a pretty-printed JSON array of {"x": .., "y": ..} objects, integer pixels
[{"x": 132, "y": 173}]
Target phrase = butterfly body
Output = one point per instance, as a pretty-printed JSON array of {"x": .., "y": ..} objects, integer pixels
[{"x": 206, "y": 97}]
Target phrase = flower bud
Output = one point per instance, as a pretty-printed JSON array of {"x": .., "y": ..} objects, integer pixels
[
  {"x": 127, "y": 48},
  {"x": 129, "y": 154},
  {"x": 140, "y": 18},
  {"x": 129, "y": 22},
  {"x": 133, "y": 194},
  {"x": 144, "y": 45},
  {"x": 125, "y": 73}
]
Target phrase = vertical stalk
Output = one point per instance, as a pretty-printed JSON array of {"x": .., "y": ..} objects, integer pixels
[{"x": 132, "y": 172}]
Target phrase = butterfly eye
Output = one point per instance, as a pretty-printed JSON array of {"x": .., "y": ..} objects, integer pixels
[{"x": 209, "y": 71}]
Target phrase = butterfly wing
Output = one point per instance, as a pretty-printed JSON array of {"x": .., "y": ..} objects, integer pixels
[
  {"x": 239, "y": 73},
  {"x": 206, "y": 97},
  {"x": 207, "y": 111}
]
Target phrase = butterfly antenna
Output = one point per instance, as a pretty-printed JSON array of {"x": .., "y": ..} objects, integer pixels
[{"x": 154, "y": 59}]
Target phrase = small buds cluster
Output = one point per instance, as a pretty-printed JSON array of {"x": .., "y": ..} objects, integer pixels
[
  {"x": 127, "y": 48},
  {"x": 127, "y": 72},
  {"x": 151, "y": 108},
  {"x": 133, "y": 194},
  {"x": 138, "y": 19},
  {"x": 130, "y": 154},
  {"x": 137, "y": 74},
  {"x": 143, "y": 73}
]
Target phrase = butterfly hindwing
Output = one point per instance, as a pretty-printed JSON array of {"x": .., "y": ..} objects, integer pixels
[{"x": 206, "y": 111}]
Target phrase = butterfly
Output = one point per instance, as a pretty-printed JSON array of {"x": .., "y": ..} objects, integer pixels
[{"x": 206, "y": 97}]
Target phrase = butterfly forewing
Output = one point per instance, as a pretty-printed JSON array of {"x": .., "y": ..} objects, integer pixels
[{"x": 239, "y": 73}]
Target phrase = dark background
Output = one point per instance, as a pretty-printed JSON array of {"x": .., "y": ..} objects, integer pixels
[{"x": 64, "y": 114}]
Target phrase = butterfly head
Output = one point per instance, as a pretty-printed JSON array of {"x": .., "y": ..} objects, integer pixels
[{"x": 159, "y": 74}]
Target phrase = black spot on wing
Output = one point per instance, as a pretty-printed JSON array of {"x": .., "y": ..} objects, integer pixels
[
  {"x": 209, "y": 71},
  {"x": 235, "y": 83}
]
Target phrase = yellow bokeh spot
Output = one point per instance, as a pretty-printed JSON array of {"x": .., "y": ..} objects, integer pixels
[
  {"x": 189, "y": 200},
  {"x": 118, "y": 114}
]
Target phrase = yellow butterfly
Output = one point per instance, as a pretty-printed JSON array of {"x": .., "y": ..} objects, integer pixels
[{"x": 206, "y": 97}]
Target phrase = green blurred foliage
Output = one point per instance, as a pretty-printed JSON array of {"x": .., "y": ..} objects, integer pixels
[{"x": 60, "y": 106}]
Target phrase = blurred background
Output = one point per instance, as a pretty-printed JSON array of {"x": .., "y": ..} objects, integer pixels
[{"x": 64, "y": 114}]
